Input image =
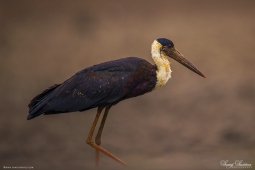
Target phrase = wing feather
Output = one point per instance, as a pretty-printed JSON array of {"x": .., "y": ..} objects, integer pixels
[{"x": 96, "y": 86}]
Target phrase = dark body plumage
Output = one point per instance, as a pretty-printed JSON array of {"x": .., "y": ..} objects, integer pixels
[{"x": 97, "y": 86}]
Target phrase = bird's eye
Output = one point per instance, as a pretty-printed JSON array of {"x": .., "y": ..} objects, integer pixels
[{"x": 163, "y": 48}]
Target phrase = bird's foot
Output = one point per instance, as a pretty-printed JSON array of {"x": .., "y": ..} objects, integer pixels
[{"x": 99, "y": 148}]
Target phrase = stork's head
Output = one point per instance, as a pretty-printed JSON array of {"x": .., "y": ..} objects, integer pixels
[{"x": 162, "y": 47}]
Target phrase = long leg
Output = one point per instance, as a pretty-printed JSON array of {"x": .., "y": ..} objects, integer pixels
[
  {"x": 99, "y": 133},
  {"x": 94, "y": 145},
  {"x": 99, "y": 110},
  {"x": 100, "y": 130}
]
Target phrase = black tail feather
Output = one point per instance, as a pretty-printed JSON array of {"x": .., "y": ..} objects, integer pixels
[{"x": 39, "y": 101}]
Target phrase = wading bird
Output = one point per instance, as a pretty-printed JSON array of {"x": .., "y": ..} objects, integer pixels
[{"x": 106, "y": 84}]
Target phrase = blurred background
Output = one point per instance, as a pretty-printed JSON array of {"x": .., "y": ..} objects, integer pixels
[{"x": 190, "y": 123}]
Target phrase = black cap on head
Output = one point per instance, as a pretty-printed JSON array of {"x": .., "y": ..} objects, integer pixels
[{"x": 165, "y": 42}]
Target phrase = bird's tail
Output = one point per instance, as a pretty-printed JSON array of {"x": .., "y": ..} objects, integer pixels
[{"x": 39, "y": 101}]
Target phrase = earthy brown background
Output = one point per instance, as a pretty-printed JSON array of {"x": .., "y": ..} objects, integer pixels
[{"x": 191, "y": 123}]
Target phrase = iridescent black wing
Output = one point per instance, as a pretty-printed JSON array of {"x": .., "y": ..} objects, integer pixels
[{"x": 98, "y": 85}]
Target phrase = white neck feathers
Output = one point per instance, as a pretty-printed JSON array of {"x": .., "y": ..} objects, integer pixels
[{"x": 163, "y": 65}]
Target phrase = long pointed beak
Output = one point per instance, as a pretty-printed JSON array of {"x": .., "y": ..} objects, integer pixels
[{"x": 176, "y": 55}]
